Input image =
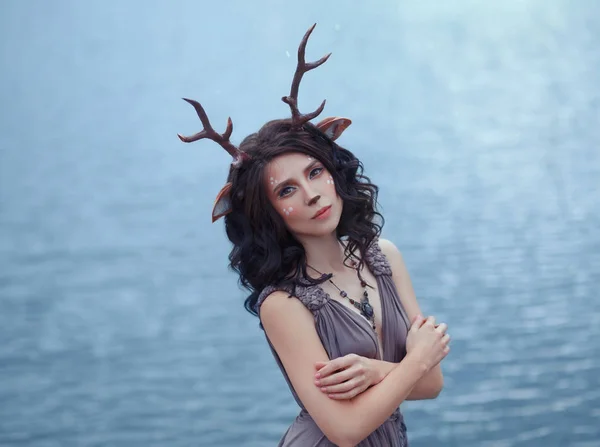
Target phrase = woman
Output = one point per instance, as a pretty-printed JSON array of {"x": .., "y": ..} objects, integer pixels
[{"x": 335, "y": 300}]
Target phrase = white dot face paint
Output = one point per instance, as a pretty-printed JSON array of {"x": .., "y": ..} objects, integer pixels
[
  {"x": 272, "y": 181},
  {"x": 288, "y": 211},
  {"x": 330, "y": 180}
]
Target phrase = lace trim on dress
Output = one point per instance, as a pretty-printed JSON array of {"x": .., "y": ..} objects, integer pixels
[
  {"x": 377, "y": 261},
  {"x": 312, "y": 297}
]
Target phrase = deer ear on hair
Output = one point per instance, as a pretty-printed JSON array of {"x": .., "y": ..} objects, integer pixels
[
  {"x": 334, "y": 126},
  {"x": 222, "y": 204}
]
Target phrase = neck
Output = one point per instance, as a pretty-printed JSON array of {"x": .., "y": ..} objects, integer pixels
[{"x": 324, "y": 253}]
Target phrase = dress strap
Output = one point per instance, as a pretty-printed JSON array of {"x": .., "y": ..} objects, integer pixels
[
  {"x": 311, "y": 296},
  {"x": 377, "y": 261}
]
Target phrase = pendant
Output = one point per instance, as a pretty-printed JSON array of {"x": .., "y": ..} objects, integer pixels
[{"x": 367, "y": 310}]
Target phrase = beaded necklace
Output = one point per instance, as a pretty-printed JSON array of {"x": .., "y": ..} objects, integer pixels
[{"x": 364, "y": 306}]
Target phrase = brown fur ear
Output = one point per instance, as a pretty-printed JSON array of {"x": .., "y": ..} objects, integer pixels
[
  {"x": 334, "y": 126},
  {"x": 222, "y": 204}
]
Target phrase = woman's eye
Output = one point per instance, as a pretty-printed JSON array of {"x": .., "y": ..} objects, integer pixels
[
  {"x": 315, "y": 172},
  {"x": 283, "y": 192}
]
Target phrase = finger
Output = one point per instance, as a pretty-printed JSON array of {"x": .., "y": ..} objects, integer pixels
[
  {"x": 417, "y": 322},
  {"x": 342, "y": 387},
  {"x": 347, "y": 395},
  {"x": 324, "y": 368},
  {"x": 430, "y": 321},
  {"x": 446, "y": 350},
  {"x": 335, "y": 365},
  {"x": 344, "y": 396},
  {"x": 446, "y": 339},
  {"x": 336, "y": 378},
  {"x": 320, "y": 365},
  {"x": 441, "y": 328}
]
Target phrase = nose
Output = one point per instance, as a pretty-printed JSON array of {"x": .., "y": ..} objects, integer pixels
[{"x": 313, "y": 200}]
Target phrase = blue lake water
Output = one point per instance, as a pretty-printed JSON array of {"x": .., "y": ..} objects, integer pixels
[{"x": 120, "y": 324}]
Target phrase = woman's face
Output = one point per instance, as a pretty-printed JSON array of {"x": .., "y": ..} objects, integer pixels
[{"x": 302, "y": 191}]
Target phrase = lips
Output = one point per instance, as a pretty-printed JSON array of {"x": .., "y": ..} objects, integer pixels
[{"x": 321, "y": 211}]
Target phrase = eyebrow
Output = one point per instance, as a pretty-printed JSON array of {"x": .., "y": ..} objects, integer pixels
[{"x": 285, "y": 182}]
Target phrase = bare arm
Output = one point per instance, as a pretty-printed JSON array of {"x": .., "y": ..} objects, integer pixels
[
  {"x": 428, "y": 387},
  {"x": 431, "y": 384},
  {"x": 291, "y": 330}
]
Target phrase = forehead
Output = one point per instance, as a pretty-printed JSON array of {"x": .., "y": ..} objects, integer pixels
[{"x": 287, "y": 165}]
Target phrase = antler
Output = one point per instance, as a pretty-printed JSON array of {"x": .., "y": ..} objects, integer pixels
[
  {"x": 292, "y": 100},
  {"x": 210, "y": 133}
]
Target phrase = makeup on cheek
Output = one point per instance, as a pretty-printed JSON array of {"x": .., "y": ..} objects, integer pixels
[
  {"x": 288, "y": 210},
  {"x": 330, "y": 180}
]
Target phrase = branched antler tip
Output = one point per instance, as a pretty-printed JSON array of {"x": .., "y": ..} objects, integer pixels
[
  {"x": 210, "y": 133},
  {"x": 302, "y": 67},
  {"x": 321, "y": 107},
  {"x": 229, "y": 128}
]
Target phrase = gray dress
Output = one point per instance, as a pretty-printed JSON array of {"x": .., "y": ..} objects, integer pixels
[{"x": 342, "y": 331}]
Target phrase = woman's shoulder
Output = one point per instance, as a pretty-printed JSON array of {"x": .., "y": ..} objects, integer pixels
[
  {"x": 272, "y": 291},
  {"x": 390, "y": 251},
  {"x": 276, "y": 306},
  {"x": 388, "y": 248},
  {"x": 274, "y": 300}
]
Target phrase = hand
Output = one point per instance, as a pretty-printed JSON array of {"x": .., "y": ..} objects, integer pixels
[
  {"x": 419, "y": 320},
  {"x": 347, "y": 377},
  {"x": 428, "y": 340}
]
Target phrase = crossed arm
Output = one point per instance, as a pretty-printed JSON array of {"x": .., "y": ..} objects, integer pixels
[
  {"x": 291, "y": 330},
  {"x": 428, "y": 387},
  {"x": 348, "y": 376}
]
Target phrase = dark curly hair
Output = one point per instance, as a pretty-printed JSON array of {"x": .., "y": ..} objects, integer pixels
[{"x": 264, "y": 251}]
